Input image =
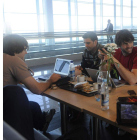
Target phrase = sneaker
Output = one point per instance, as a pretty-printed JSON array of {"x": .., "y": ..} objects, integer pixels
[{"x": 49, "y": 115}]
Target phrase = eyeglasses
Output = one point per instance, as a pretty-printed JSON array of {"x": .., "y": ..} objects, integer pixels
[{"x": 25, "y": 49}]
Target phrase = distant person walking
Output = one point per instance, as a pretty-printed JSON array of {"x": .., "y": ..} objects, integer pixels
[{"x": 109, "y": 28}]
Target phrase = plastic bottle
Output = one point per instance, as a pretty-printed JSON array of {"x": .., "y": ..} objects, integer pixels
[
  {"x": 104, "y": 95},
  {"x": 99, "y": 82},
  {"x": 72, "y": 72}
]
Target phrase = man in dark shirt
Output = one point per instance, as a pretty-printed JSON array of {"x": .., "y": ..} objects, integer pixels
[{"x": 90, "y": 57}]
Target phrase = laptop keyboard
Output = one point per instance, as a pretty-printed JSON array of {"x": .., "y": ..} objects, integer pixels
[
  {"x": 45, "y": 77},
  {"x": 117, "y": 83}
]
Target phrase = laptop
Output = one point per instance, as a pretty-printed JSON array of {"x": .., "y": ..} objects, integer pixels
[
  {"x": 115, "y": 82},
  {"x": 62, "y": 67}
]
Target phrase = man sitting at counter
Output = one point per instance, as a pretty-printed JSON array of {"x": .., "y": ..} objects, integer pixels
[
  {"x": 90, "y": 57},
  {"x": 125, "y": 56}
]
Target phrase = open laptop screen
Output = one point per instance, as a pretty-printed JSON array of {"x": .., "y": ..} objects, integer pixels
[{"x": 62, "y": 66}]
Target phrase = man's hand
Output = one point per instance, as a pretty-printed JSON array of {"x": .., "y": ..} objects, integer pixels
[
  {"x": 78, "y": 70},
  {"x": 54, "y": 77},
  {"x": 78, "y": 67},
  {"x": 37, "y": 87},
  {"x": 103, "y": 56}
]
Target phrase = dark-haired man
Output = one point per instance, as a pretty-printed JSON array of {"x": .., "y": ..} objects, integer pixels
[
  {"x": 18, "y": 112},
  {"x": 125, "y": 56},
  {"x": 90, "y": 57},
  {"x": 16, "y": 71}
]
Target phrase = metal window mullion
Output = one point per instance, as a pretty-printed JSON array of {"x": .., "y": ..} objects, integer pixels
[
  {"x": 38, "y": 23},
  {"x": 115, "y": 14},
  {"x": 69, "y": 16},
  {"x": 48, "y": 11},
  {"x": 121, "y": 13},
  {"x": 131, "y": 14},
  {"x": 101, "y": 16},
  {"x": 76, "y": 14},
  {"x": 94, "y": 13}
]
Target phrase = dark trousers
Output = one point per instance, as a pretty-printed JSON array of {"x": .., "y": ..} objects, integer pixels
[
  {"x": 23, "y": 115},
  {"x": 20, "y": 113},
  {"x": 77, "y": 133},
  {"x": 109, "y": 37}
]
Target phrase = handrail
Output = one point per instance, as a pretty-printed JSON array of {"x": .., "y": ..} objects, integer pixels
[{"x": 67, "y": 34}]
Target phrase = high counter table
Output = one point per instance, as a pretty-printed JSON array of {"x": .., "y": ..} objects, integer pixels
[{"x": 90, "y": 106}]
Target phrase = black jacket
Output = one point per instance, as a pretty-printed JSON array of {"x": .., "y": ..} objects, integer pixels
[
  {"x": 110, "y": 28},
  {"x": 90, "y": 59}
]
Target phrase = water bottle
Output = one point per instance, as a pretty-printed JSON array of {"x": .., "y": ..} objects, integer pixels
[
  {"x": 99, "y": 82},
  {"x": 72, "y": 72},
  {"x": 104, "y": 95}
]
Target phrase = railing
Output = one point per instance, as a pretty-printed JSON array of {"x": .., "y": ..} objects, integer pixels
[{"x": 56, "y": 44}]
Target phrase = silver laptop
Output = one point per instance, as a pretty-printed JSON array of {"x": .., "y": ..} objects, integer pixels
[
  {"x": 115, "y": 82},
  {"x": 62, "y": 67}
]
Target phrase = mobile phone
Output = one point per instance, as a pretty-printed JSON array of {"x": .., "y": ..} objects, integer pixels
[
  {"x": 103, "y": 50},
  {"x": 131, "y": 92}
]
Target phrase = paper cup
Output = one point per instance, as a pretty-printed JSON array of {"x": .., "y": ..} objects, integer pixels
[
  {"x": 80, "y": 78},
  {"x": 95, "y": 85}
]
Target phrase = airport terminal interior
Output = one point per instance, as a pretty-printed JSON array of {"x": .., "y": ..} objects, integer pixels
[{"x": 54, "y": 29}]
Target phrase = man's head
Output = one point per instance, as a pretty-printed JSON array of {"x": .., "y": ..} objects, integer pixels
[
  {"x": 109, "y": 21},
  {"x": 15, "y": 45},
  {"x": 124, "y": 39},
  {"x": 90, "y": 40}
]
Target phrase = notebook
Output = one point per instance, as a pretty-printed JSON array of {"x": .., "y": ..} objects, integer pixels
[
  {"x": 62, "y": 67},
  {"x": 115, "y": 82}
]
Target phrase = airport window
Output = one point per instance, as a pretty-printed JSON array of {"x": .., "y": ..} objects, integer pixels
[{"x": 64, "y": 17}]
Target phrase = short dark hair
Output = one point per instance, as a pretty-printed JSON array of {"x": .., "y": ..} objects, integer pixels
[
  {"x": 14, "y": 44},
  {"x": 91, "y": 35},
  {"x": 123, "y": 35}
]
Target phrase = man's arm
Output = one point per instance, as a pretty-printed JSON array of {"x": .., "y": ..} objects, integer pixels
[
  {"x": 38, "y": 88},
  {"x": 128, "y": 76}
]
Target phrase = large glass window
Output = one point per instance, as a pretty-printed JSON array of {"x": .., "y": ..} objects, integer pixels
[
  {"x": 60, "y": 7},
  {"x": 98, "y": 10},
  {"x": 135, "y": 12},
  {"x": 126, "y": 12},
  {"x": 85, "y": 23},
  {"x": 118, "y": 11},
  {"x": 127, "y": 2},
  {"x": 127, "y": 22},
  {"x": 20, "y": 6},
  {"x": 60, "y": 24},
  {"x": 108, "y": 1},
  {"x": 108, "y": 10},
  {"x": 85, "y": 9},
  {"x": 118, "y": 2}
]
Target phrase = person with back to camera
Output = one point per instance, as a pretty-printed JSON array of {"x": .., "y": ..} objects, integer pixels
[
  {"x": 16, "y": 71},
  {"x": 109, "y": 28},
  {"x": 90, "y": 57},
  {"x": 20, "y": 113}
]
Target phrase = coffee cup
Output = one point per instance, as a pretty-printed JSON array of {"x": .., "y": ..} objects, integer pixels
[
  {"x": 80, "y": 78},
  {"x": 95, "y": 85}
]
